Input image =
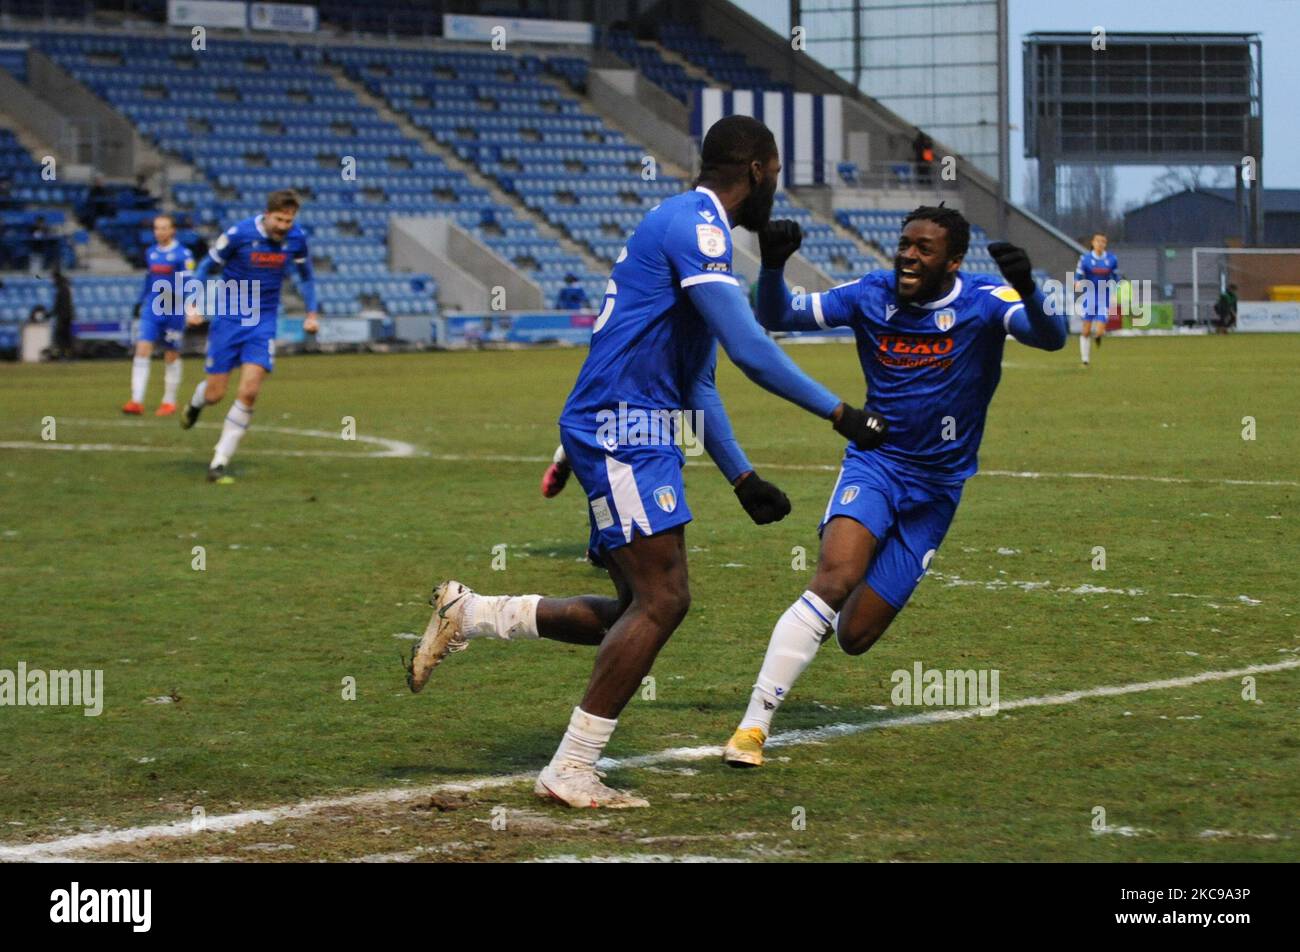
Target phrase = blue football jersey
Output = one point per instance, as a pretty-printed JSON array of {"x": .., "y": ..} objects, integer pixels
[
  {"x": 930, "y": 368},
  {"x": 161, "y": 296},
  {"x": 1097, "y": 270},
  {"x": 648, "y": 341},
  {"x": 249, "y": 255}
]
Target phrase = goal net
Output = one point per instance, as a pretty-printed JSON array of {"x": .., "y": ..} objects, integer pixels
[{"x": 1265, "y": 281}]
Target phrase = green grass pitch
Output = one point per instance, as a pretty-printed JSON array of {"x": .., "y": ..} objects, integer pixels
[{"x": 320, "y": 558}]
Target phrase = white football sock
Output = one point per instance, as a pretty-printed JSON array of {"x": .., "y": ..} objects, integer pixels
[
  {"x": 171, "y": 380},
  {"x": 585, "y": 739},
  {"x": 1085, "y": 346},
  {"x": 199, "y": 400},
  {"x": 139, "y": 378},
  {"x": 795, "y": 640},
  {"x": 511, "y": 617},
  {"x": 559, "y": 458},
  {"x": 237, "y": 420}
]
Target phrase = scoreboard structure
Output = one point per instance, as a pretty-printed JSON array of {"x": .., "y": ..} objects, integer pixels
[{"x": 1146, "y": 99}]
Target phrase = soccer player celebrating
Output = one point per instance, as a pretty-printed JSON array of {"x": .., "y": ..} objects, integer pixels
[
  {"x": 671, "y": 298},
  {"x": 161, "y": 317},
  {"x": 253, "y": 257},
  {"x": 930, "y": 341},
  {"x": 1094, "y": 277}
]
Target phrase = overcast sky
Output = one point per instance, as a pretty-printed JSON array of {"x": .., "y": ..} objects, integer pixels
[{"x": 1276, "y": 21}]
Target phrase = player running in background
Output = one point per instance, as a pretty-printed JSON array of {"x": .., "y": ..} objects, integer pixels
[
  {"x": 930, "y": 340},
  {"x": 671, "y": 298},
  {"x": 253, "y": 257},
  {"x": 1094, "y": 278},
  {"x": 162, "y": 317}
]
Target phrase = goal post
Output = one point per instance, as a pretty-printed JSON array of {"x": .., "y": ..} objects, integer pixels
[{"x": 1267, "y": 282}]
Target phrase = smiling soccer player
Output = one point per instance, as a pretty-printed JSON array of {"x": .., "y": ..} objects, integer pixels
[
  {"x": 671, "y": 299},
  {"x": 930, "y": 341}
]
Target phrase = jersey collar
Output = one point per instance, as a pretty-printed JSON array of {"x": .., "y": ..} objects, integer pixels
[
  {"x": 946, "y": 299},
  {"x": 260, "y": 230},
  {"x": 168, "y": 247},
  {"x": 722, "y": 212}
]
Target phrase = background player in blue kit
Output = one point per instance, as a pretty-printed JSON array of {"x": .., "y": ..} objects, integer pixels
[
  {"x": 253, "y": 257},
  {"x": 671, "y": 298},
  {"x": 1094, "y": 279},
  {"x": 930, "y": 340},
  {"x": 162, "y": 317}
]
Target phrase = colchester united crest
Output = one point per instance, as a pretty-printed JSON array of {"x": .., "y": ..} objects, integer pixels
[
  {"x": 850, "y": 493},
  {"x": 666, "y": 498},
  {"x": 945, "y": 319}
]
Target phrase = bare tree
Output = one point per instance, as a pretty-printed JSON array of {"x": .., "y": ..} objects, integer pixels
[
  {"x": 1089, "y": 200},
  {"x": 1181, "y": 178}
]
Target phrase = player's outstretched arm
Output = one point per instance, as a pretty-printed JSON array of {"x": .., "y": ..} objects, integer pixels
[
  {"x": 776, "y": 305},
  {"x": 1031, "y": 324},
  {"x": 764, "y": 502},
  {"x": 714, "y": 425},
  {"x": 727, "y": 315},
  {"x": 777, "y": 241}
]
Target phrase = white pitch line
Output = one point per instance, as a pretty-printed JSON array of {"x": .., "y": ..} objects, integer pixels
[
  {"x": 62, "y": 848},
  {"x": 1148, "y": 479},
  {"x": 388, "y": 448},
  {"x": 183, "y": 451},
  {"x": 401, "y": 449}
]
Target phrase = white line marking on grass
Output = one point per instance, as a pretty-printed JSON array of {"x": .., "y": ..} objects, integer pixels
[
  {"x": 834, "y": 468},
  {"x": 1026, "y": 474},
  {"x": 401, "y": 449},
  {"x": 387, "y": 448},
  {"x": 637, "y": 858},
  {"x": 61, "y": 848},
  {"x": 1002, "y": 585}
]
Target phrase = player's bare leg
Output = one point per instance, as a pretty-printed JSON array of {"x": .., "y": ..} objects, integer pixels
[
  {"x": 211, "y": 389},
  {"x": 650, "y": 580},
  {"x": 139, "y": 377},
  {"x": 834, "y": 594},
  {"x": 238, "y": 418},
  {"x": 655, "y": 569},
  {"x": 862, "y": 620},
  {"x": 584, "y": 619},
  {"x": 461, "y": 615}
]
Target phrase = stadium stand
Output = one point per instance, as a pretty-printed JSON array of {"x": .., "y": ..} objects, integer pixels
[
  {"x": 252, "y": 116},
  {"x": 708, "y": 53},
  {"x": 308, "y": 128},
  {"x": 530, "y": 137},
  {"x": 646, "y": 58}
]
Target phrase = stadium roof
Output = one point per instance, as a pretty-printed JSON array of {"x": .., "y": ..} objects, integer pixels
[
  {"x": 1085, "y": 36},
  {"x": 1275, "y": 199}
]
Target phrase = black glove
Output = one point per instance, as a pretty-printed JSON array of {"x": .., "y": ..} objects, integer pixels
[
  {"x": 865, "y": 429},
  {"x": 778, "y": 241},
  {"x": 763, "y": 501},
  {"x": 1014, "y": 264}
]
